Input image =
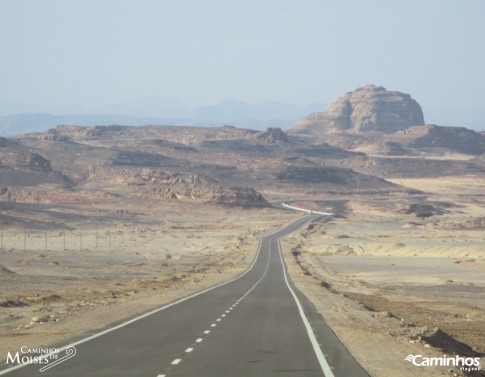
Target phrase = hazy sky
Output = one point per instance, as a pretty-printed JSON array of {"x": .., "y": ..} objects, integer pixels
[{"x": 203, "y": 51}]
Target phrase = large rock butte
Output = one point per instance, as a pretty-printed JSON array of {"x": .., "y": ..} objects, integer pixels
[{"x": 370, "y": 108}]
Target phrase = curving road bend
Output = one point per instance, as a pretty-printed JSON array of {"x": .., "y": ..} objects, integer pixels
[{"x": 257, "y": 325}]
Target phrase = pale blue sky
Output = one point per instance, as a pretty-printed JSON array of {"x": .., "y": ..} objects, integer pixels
[{"x": 202, "y": 51}]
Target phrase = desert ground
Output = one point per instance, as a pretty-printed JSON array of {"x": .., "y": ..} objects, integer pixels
[{"x": 391, "y": 284}]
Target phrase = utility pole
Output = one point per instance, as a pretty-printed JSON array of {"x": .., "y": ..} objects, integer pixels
[{"x": 358, "y": 188}]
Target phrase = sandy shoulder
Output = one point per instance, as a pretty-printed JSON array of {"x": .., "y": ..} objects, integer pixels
[{"x": 370, "y": 337}]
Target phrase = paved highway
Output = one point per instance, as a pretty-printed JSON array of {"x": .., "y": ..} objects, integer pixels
[{"x": 257, "y": 325}]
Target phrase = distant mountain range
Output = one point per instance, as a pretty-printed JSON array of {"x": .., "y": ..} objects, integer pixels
[
  {"x": 17, "y": 118},
  {"x": 25, "y": 118}
]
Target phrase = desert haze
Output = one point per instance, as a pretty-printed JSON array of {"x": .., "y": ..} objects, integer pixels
[{"x": 101, "y": 223}]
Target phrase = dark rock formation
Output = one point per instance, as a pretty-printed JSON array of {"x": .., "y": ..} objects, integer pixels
[
  {"x": 245, "y": 197},
  {"x": 192, "y": 187},
  {"x": 272, "y": 135}
]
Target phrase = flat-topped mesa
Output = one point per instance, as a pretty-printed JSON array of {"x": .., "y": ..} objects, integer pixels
[{"x": 367, "y": 109}]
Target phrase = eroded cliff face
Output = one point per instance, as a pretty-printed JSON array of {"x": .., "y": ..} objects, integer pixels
[{"x": 367, "y": 109}]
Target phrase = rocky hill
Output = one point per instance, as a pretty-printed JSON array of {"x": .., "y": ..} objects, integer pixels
[
  {"x": 370, "y": 108},
  {"x": 225, "y": 165},
  {"x": 176, "y": 187},
  {"x": 456, "y": 139},
  {"x": 379, "y": 122},
  {"x": 21, "y": 166}
]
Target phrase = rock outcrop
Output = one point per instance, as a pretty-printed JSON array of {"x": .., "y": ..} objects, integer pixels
[
  {"x": 172, "y": 187},
  {"x": 370, "y": 108},
  {"x": 272, "y": 135},
  {"x": 21, "y": 159},
  {"x": 245, "y": 197}
]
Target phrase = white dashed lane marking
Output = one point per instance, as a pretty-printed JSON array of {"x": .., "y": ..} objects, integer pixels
[{"x": 199, "y": 340}]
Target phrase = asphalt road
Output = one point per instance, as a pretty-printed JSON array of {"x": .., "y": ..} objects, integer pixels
[{"x": 255, "y": 325}]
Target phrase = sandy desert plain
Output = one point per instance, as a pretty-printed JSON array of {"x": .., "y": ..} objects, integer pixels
[{"x": 392, "y": 285}]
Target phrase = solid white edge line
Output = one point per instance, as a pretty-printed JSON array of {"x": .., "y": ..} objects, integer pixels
[
  {"x": 11, "y": 369},
  {"x": 306, "y": 210},
  {"x": 327, "y": 371}
]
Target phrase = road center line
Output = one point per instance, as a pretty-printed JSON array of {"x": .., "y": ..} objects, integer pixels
[
  {"x": 5, "y": 371},
  {"x": 189, "y": 350}
]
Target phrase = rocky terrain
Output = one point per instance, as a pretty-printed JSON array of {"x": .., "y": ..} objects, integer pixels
[
  {"x": 20, "y": 166},
  {"x": 225, "y": 165}
]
